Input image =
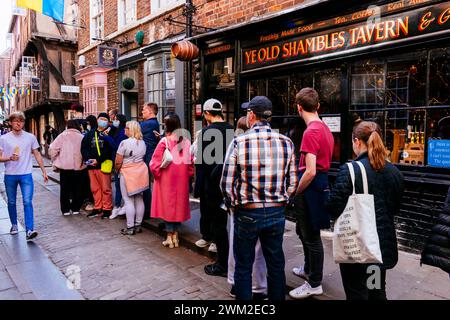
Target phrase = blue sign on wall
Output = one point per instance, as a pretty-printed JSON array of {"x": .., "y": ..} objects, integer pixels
[{"x": 439, "y": 153}]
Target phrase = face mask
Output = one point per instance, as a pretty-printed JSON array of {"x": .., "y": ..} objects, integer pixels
[
  {"x": 116, "y": 123},
  {"x": 102, "y": 123},
  {"x": 88, "y": 128}
]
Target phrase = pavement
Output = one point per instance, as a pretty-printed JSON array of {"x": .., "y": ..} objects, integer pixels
[{"x": 116, "y": 267}]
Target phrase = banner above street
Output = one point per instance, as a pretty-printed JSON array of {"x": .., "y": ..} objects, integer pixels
[{"x": 375, "y": 31}]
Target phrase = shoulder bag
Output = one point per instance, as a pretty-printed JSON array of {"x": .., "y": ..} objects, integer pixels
[
  {"x": 355, "y": 238},
  {"x": 167, "y": 156},
  {"x": 107, "y": 165}
]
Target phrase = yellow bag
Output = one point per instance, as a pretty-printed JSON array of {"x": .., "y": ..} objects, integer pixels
[{"x": 107, "y": 165}]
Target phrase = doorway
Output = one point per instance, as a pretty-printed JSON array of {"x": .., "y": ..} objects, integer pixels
[{"x": 130, "y": 106}]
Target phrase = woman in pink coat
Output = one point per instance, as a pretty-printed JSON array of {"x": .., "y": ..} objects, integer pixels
[{"x": 170, "y": 197}]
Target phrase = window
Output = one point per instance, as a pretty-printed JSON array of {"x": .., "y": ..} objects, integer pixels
[
  {"x": 127, "y": 12},
  {"x": 94, "y": 100},
  {"x": 161, "y": 83},
  {"x": 221, "y": 83},
  {"x": 393, "y": 92},
  {"x": 96, "y": 14},
  {"x": 158, "y": 6}
]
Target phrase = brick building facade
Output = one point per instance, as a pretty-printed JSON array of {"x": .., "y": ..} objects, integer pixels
[{"x": 135, "y": 60}]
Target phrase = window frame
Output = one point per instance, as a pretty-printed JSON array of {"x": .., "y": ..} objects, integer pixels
[
  {"x": 122, "y": 13},
  {"x": 160, "y": 6},
  {"x": 97, "y": 22}
]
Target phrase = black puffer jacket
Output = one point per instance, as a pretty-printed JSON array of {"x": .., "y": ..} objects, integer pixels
[
  {"x": 437, "y": 249},
  {"x": 387, "y": 188}
]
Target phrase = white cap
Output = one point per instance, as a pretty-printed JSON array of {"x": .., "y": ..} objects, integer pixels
[{"x": 212, "y": 105}]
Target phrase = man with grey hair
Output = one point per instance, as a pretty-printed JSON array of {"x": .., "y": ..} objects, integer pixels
[{"x": 16, "y": 148}]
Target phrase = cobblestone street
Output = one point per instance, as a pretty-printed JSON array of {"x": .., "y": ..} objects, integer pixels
[{"x": 114, "y": 266}]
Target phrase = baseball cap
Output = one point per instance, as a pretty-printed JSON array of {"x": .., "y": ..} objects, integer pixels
[
  {"x": 260, "y": 105},
  {"x": 212, "y": 105}
]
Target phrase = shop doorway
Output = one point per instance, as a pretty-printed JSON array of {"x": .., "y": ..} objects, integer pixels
[{"x": 130, "y": 106}]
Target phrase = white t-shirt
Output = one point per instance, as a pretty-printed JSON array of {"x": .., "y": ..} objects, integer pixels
[
  {"x": 132, "y": 150},
  {"x": 25, "y": 143}
]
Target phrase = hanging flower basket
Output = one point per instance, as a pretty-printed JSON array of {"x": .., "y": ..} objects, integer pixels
[{"x": 128, "y": 83}]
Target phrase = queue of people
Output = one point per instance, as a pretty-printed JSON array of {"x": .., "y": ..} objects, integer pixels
[{"x": 245, "y": 177}]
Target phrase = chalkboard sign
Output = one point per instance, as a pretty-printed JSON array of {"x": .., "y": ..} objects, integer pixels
[{"x": 439, "y": 153}]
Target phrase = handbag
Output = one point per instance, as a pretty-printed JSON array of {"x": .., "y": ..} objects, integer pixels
[
  {"x": 355, "y": 238},
  {"x": 107, "y": 165},
  {"x": 167, "y": 156}
]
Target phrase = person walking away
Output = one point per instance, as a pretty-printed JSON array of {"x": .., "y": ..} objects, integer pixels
[
  {"x": 150, "y": 131},
  {"x": 16, "y": 148},
  {"x": 97, "y": 149},
  {"x": 259, "y": 274},
  {"x": 315, "y": 160},
  {"x": 257, "y": 185},
  {"x": 134, "y": 179},
  {"x": 65, "y": 153},
  {"x": 170, "y": 198},
  {"x": 49, "y": 136},
  {"x": 119, "y": 136},
  {"x": 386, "y": 183},
  {"x": 210, "y": 163}
]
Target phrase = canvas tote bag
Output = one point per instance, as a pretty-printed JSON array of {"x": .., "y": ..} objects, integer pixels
[
  {"x": 167, "y": 156},
  {"x": 355, "y": 238}
]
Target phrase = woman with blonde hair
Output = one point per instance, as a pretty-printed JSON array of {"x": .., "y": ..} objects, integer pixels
[
  {"x": 385, "y": 182},
  {"x": 134, "y": 178}
]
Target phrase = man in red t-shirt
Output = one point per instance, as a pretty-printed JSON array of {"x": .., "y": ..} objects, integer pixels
[{"x": 315, "y": 159}]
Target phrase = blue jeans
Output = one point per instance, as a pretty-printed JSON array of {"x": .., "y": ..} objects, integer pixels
[
  {"x": 118, "y": 196},
  {"x": 172, "y": 226},
  {"x": 26, "y": 186},
  {"x": 267, "y": 224}
]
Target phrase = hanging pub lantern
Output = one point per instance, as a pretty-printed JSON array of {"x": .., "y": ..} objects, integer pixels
[{"x": 185, "y": 50}]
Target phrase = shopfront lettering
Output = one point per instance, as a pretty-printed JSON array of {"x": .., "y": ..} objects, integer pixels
[
  {"x": 407, "y": 25},
  {"x": 380, "y": 31},
  {"x": 444, "y": 16}
]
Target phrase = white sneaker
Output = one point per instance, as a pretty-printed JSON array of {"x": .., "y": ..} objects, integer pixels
[
  {"x": 212, "y": 247},
  {"x": 75, "y": 212},
  {"x": 300, "y": 272},
  {"x": 114, "y": 213},
  {"x": 122, "y": 211},
  {"x": 305, "y": 291},
  {"x": 202, "y": 243},
  {"x": 66, "y": 213}
]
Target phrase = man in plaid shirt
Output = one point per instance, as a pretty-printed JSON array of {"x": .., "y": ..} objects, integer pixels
[{"x": 259, "y": 177}]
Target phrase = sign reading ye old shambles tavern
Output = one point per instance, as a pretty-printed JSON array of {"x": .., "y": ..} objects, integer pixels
[{"x": 376, "y": 31}]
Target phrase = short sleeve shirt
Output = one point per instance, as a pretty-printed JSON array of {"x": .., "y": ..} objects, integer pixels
[
  {"x": 23, "y": 144},
  {"x": 317, "y": 140},
  {"x": 132, "y": 150}
]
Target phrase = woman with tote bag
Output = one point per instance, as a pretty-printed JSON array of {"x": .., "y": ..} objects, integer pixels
[
  {"x": 172, "y": 168},
  {"x": 367, "y": 281}
]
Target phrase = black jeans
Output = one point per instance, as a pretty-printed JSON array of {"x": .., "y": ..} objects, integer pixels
[
  {"x": 312, "y": 243},
  {"x": 206, "y": 219},
  {"x": 219, "y": 227},
  {"x": 357, "y": 285},
  {"x": 71, "y": 190},
  {"x": 85, "y": 185}
]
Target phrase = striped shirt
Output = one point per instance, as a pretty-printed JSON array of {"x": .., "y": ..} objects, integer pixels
[{"x": 259, "y": 167}]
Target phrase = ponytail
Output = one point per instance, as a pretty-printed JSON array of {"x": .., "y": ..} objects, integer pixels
[
  {"x": 370, "y": 133},
  {"x": 377, "y": 151}
]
